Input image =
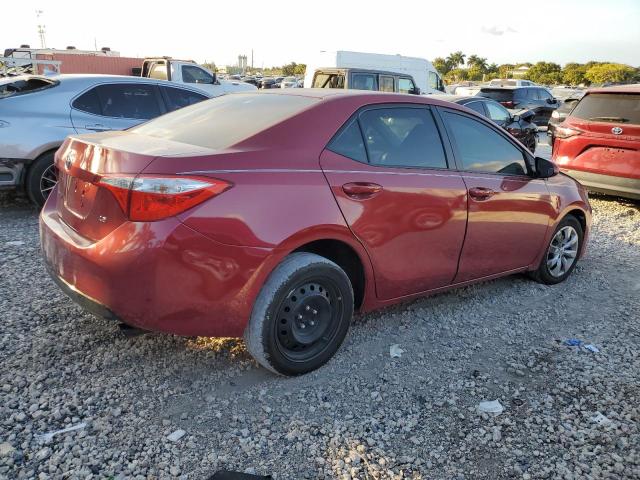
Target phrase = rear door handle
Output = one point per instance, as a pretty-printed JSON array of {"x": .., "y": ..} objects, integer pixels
[
  {"x": 481, "y": 193},
  {"x": 361, "y": 190}
]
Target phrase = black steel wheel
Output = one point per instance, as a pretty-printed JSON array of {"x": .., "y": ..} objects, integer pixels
[{"x": 301, "y": 316}]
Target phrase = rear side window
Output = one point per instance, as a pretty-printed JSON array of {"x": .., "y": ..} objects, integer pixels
[
  {"x": 387, "y": 84},
  {"x": 328, "y": 80},
  {"x": 24, "y": 86},
  {"x": 364, "y": 81},
  {"x": 225, "y": 121},
  {"x": 609, "y": 107},
  {"x": 128, "y": 100},
  {"x": 349, "y": 143},
  {"x": 179, "y": 97},
  {"x": 481, "y": 149},
  {"x": 497, "y": 94},
  {"x": 88, "y": 102},
  {"x": 402, "y": 137}
]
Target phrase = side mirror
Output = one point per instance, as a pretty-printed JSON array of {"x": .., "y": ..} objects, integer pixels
[
  {"x": 515, "y": 118},
  {"x": 414, "y": 91},
  {"x": 546, "y": 168},
  {"x": 551, "y": 101}
]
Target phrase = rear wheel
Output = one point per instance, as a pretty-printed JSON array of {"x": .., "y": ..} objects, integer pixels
[
  {"x": 42, "y": 177},
  {"x": 301, "y": 316},
  {"x": 562, "y": 252}
]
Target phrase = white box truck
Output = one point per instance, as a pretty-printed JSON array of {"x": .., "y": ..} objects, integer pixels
[{"x": 372, "y": 71}]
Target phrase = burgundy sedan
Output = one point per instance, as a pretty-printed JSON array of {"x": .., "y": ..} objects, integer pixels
[{"x": 275, "y": 215}]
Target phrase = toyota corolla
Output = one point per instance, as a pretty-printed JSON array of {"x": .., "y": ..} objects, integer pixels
[{"x": 275, "y": 215}]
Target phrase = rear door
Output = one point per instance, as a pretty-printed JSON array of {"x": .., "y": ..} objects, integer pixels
[
  {"x": 388, "y": 170},
  {"x": 509, "y": 210},
  {"x": 115, "y": 106}
]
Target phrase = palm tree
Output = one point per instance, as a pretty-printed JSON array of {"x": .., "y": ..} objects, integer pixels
[
  {"x": 478, "y": 62},
  {"x": 456, "y": 58}
]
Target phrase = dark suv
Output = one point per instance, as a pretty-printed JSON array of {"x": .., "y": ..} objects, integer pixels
[{"x": 537, "y": 99}]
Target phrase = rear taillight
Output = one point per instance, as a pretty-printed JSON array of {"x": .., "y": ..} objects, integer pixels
[
  {"x": 147, "y": 198},
  {"x": 507, "y": 104},
  {"x": 566, "y": 132}
]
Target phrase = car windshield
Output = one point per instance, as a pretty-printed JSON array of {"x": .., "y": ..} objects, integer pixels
[
  {"x": 497, "y": 94},
  {"x": 609, "y": 107},
  {"x": 225, "y": 121},
  {"x": 24, "y": 85}
]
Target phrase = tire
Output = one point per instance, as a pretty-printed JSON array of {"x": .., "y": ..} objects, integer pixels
[
  {"x": 306, "y": 297},
  {"x": 41, "y": 178},
  {"x": 548, "y": 271}
]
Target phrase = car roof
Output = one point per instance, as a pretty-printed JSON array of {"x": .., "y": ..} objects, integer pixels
[
  {"x": 633, "y": 88},
  {"x": 512, "y": 87}
]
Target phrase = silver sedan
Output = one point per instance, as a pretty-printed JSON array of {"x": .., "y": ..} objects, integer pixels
[{"x": 37, "y": 113}]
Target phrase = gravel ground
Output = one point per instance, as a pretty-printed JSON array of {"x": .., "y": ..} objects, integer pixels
[{"x": 568, "y": 412}]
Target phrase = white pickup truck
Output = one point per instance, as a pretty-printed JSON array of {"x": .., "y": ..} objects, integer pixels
[{"x": 190, "y": 73}]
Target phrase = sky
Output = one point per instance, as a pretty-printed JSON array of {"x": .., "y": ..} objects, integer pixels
[{"x": 280, "y": 32}]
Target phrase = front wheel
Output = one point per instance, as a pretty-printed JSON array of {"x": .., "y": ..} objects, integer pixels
[
  {"x": 561, "y": 255},
  {"x": 301, "y": 315}
]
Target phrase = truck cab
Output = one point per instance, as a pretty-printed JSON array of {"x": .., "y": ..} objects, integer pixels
[
  {"x": 190, "y": 73},
  {"x": 361, "y": 79}
]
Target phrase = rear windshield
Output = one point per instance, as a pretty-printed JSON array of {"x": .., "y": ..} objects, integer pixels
[
  {"x": 24, "y": 86},
  {"x": 505, "y": 83},
  {"x": 497, "y": 94},
  {"x": 225, "y": 121},
  {"x": 609, "y": 107}
]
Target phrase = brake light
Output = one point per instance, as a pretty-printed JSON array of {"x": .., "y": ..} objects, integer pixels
[
  {"x": 147, "y": 198},
  {"x": 508, "y": 104},
  {"x": 566, "y": 132}
]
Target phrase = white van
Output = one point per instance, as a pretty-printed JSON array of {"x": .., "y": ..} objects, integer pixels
[{"x": 373, "y": 71}]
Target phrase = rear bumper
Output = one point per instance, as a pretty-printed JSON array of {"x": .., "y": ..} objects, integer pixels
[
  {"x": 607, "y": 184},
  {"x": 160, "y": 276}
]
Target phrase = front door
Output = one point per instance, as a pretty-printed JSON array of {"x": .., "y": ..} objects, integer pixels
[
  {"x": 509, "y": 210},
  {"x": 388, "y": 171}
]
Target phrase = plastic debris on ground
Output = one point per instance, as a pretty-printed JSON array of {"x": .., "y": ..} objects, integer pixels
[
  {"x": 47, "y": 437},
  {"x": 395, "y": 351},
  {"x": 600, "y": 419},
  {"x": 592, "y": 348},
  {"x": 14, "y": 243},
  {"x": 177, "y": 435},
  {"x": 228, "y": 475},
  {"x": 574, "y": 342},
  {"x": 493, "y": 406}
]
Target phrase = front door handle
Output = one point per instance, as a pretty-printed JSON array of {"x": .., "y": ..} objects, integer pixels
[
  {"x": 481, "y": 193},
  {"x": 361, "y": 190}
]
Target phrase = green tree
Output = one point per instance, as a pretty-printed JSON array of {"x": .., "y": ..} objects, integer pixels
[
  {"x": 492, "y": 69},
  {"x": 289, "y": 69},
  {"x": 457, "y": 75},
  {"x": 478, "y": 62},
  {"x": 504, "y": 70},
  {"x": 442, "y": 65},
  {"x": 475, "y": 73},
  {"x": 300, "y": 69},
  {"x": 545, "y": 73},
  {"x": 573, "y": 73},
  {"x": 456, "y": 59},
  {"x": 610, "y": 72}
]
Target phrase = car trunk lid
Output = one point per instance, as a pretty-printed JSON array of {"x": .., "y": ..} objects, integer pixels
[{"x": 87, "y": 206}]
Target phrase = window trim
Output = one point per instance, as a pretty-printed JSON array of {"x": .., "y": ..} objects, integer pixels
[
  {"x": 158, "y": 96},
  {"x": 529, "y": 160},
  {"x": 448, "y": 152}
]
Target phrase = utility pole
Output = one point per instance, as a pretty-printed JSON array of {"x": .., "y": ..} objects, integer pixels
[
  {"x": 41, "y": 30},
  {"x": 252, "y": 59}
]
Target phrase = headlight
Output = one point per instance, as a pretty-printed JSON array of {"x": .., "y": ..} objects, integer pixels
[{"x": 555, "y": 114}]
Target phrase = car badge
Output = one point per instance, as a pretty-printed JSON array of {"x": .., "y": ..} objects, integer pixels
[
  {"x": 71, "y": 158},
  {"x": 616, "y": 131}
]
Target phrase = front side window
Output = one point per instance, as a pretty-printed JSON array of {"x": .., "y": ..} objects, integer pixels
[
  {"x": 543, "y": 94},
  {"x": 364, "y": 81},
  {"x": 406, "y": 85},
  {"x": 349, "y": 143},
  {"x": 476, "y": 107},
  {"x": 497, "y": 112},
  {"x": 179, "y": 97},
  {"x": 193, "y": 74},
  {"x": 387, "y": 84},
  {"x": 127, "y": 100},
  {"x": 481, "y": 149},
  {"x": 433, "y": 81},
  {"x": 402, "y": 137}
]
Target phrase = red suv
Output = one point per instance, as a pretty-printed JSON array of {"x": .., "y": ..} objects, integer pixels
[
  {"x": 599, "y": 142},
  {"x": 274, "y": 215}
]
